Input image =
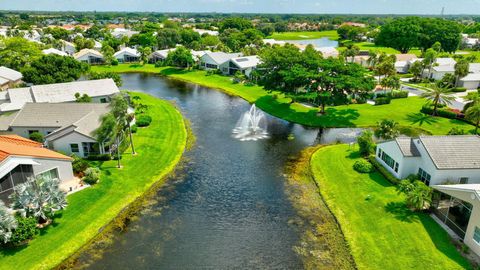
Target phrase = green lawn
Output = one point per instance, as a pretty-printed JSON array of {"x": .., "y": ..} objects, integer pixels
[
  {"x": 381, "y": 231},
  {"x": 404, "y": 111},
  {"x": 159, "y": 147},
  {"x": 332, "y": 34}
]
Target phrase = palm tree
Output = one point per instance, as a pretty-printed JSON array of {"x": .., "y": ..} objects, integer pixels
[
  {"x": 144, "y": 54},
  {"x": 461, "y": 70},
  {"x": 7, "y": 223},
  {"x": 437, "y": 95},
  {"x": 372, "y": 59},
  {"x": 473, "y": 113}
]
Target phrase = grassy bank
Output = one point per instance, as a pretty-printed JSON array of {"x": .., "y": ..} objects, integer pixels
[
  {"x": 305, "y": 35},
  {"x": 404, "y": 111},
  {"x": 381, "y": 231},
  {"x": 159, "y": 148}
]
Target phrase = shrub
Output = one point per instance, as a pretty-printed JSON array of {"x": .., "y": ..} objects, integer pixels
[
  {"x": 440, "y": 112},
  {"x": 159, "y": 64},
  {"x": 363, "y": 166},
  {"x": 115, "y": 62},
  {"x": 79, "y": 165},
  {"x": 382, "y": 100},
  {"x": 8, "y": 223},
  {"x": 456, "y": 131},
  {"x": 99, "y": 157},
  {"x": 134, "y": 128},
  {"x": 400, "y": 94},
  {"x": 392, "y": 179},
  {"x": 26, "y": 230},
  {"x": 36, "y": 136},
  {"x": 419, "y": 195},
  {"x": 92, "y": 175},
  {"x": 459, "y": 89},
  {"x": 365, "y": 143},
  {"x": 143, "y": 120}
]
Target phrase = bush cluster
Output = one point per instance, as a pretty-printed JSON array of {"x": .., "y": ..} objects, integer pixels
[
  {"x": 143, "y": 120},
  {"x": 399, "y": 94},
  {"x": 363, "y": 166},
  {"x": 382, "y": 100},
  {"x": 26, "y": 230},
  {"x": 79, "y": 165},
  {"x": 459, "y": 89},
  {"x": 441, "y": 112},
  {"x": 92, "y": 175},
  {"x": 383, "y": 171},
  {"x": 99, "y": 157}
]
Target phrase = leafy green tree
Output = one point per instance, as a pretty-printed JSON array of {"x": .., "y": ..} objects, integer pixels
[
  {"x": 36, "y": 136},
  {"x": 385, "y": 66},
  {"x": 429, "y": 58},
  {"x": 180, "y": 57},
  {"x": 168, "y": 38},
  {"x": 349, "y": 32},
  {"x": 419, "y": 195},
  {"x": 57, "y": 32},
  {"x": 54, "y": 69},
  {"x": 108, "y": 53},
  {"x": 416, "y": 69},
  {"x": 235, "y": 23},
  {"x": 209, "y": 41},
  {"x": 365, "y": 143},
  {"x": 461, "y": 70},
  {"x": 473, "y": 114},
  {"x": 106, "y": 75},
  {"x": 83, "y": 43},
  {"x": 372, "y": 59},
  {"x": 387, "y": 129},
  {"x": 351, "y": 51},
  {"x": 437, "y": 95},
  {"x": 401, "y": 34},
  {"x": 95, "y": 32},
  {"x": 144, "y": 54},
  {"x": 143, "y": 40},
  {"x": 82, "y": 98},
  {"x": 8, "y": 223},
  {"x": 17, "y": 52},
  {"x": 390, "y": 82},
  {"x": 447, "y": 81},
  {"x": 39, "y": 197}
]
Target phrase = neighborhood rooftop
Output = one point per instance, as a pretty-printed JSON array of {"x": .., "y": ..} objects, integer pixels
[
  {"x": 10, "y": 74},
  {"x": 453, "y": 152},
  {"x": 407, "y": 146},
  {"x": 14, "y": 145}
]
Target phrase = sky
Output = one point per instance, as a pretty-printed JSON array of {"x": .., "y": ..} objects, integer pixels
[{"x": 253, "y": 6}]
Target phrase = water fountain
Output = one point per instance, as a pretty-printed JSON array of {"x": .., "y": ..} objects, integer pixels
[{"x": 251, "y": 126}]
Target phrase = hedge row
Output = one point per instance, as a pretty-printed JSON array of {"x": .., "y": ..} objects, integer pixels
[{"x": 383, "y": 171}]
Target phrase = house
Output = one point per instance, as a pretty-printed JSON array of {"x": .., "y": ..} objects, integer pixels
[
  {"x": 9, "y": 78},
  {"x": 122, "y": 32},
  {"x": 97, "y": 46},
  {"x": 127, "y": 55},
  {"x": 159, "y": 55},
  {"x": 22, "y": 158},
  {"x": 472, "y": 80},
  {"x": 441, "y": 67},
  {"x": 99, "y": 90},
  {"x": 70, "y": 133},
  {"x": 328, "y": 51},
  {"x": 458, "y": 208},
  {"x": 208, "y": 32},
  {"x": 244, "y": 65},
  {"x": 435, "y": 159},
  {"x": 218, "y": 60},
  {"x": 403, "y": 62},
  {"x": 89, "y": 56},
  {"x": 68, "y": 47},
  {"x": 54, "y": 51},
  {"x": 272, "y": 42},
  {"x": 197, "y": 55}
]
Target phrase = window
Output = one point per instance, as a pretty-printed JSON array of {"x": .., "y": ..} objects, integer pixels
[
  {"x": 74, "y": 148},
  {"x": 396, "y": 167},
  {"x": 389, "y": 161},
  {"x": 32, "y": 131},
  {"x": 103, "y": 100},
  {"x": 476, "y": 235},
  {"x": 424, "y": 176},
  {"x": 380, "y": 153},
  {"x": 50, "y": 174},
  {"x": 463, "y": 180},
  {"x": 211, "y": 66}
]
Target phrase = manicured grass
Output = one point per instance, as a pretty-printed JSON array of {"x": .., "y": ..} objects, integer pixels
[
  {"x": 404, "y": 111},
  {"x": 332, "y": 34},
  {"x": 381, "y": 231},
  {"x": 159, "y": 146}
]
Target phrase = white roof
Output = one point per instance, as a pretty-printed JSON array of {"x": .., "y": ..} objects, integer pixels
[
  {"x": 54, "y": 51},
  {"x": 474, "y": 68},
  {"x": 246, "y": 61},
  {"x": 445, "y": 61},
  {"x": 444, "y": 68},
  {"x": 221, "y": 57},
  {"x": 471, "y": 77},
  {"x": 400, "y": 64},
  {"x": 272, "y": 41},
  {"x": 471, "y": 41},
  {"x": 97, "y": 45},
  {"x": 87, "y": 52},
  {"x": 471, "y": 188},
  {"x": 128, "y": 51},
  {"x": 163, "y": 53},
  {"x": 203, "y": 31},
  {"x": 10, "y": 74},
  {"x": 327, "y": 51}
]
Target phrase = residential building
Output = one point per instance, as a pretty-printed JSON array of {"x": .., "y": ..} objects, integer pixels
[
  {"x": 435, "y": 159},
  {"x": 472, "y": 80},
  {"x": 403, "y": 62},
  {"x": 68, "y": 47},
  {"x": 159, "y": 55},
  {"x": 122, "y": 32},
  {"x": 244, "y": 65},
  {"x": 54, "y": 51},
  {"x": 218, "y": 60},
  {"x": 22, "y": 158},
  {"x": 458, "y": 207},
  {"x": 9, "y": 78},
  {"x": 70, "y": 133},
  {"x": 97, "y": 46},
  {"x": 208, "y": 32},
  {"x": 272, "y": 42},
  {"x": 441, "y": 67},
  {"x": 127, "y": 55},
  {"x": 90, "y": 56},
  {"x": 99, "y": 90},
  {"x": 328, "y": 51}
]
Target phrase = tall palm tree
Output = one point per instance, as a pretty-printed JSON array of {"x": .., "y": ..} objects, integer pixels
[
  {"x": 461, "y": 70},
  {"x": 438, "y": 95},
  {"x": 473, "y": 113}
]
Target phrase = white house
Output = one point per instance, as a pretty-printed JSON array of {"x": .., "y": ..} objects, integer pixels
[
  {"x": 458, "y": 208},
  {"x": 70, "y": 133},
  {"x": 441, "y": 67},
  {"x": 159, "y": 55},
  {"x": 89, "y": 56},
  {"x": 68, "y": 47},
  {"x": 22, "y": 158},
  {"x": 97, "y": 46},
  {"x": 435, "y": 159},
  {"x": 472, "y": 80},
  {"x": 9, "y": 78},
  {"x": 403, "y": 62},
  {"x": 54, "y": 51},
  {"x": 208, "y": 32},
  {"x": 271, "y": 41},
  {"x": 99, "y": 90},
  {"x": 328, "y": 51},
  {"x": 217, "y": 60},
  {"x": 245, "y": 65},
  {"x": 122, "y": 32},
  {"x": 127, "y": 55}
]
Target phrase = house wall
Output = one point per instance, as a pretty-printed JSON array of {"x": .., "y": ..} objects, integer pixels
[
  {"x": 225, "y": 67},
  {"x": 439, "y": 75},
  {"x": 62, "y": 144},
  {"x": 471, "y": 85},
  {"x": 391, "y": 148},
  {"x": 64, "y": 167},
  {"x": 206, "y": 59},
  {"x": 23, "y": 131}
]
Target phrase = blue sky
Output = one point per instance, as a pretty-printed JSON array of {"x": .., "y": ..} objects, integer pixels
[{"x": 254, "y": 6}]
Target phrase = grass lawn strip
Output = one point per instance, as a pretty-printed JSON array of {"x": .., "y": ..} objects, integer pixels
[
  {"x": 404, "y": 111},
  {"x": 381, "y": 231},
  {"x": 159, "y": 146}
]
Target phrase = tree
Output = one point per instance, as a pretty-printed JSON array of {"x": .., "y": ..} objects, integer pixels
[
  {"x": 82, "y": 98},
  {"x": 437, "y": 95},
  {"x": 387, "y": 129},
  {"x": 36, "y": 136},
  {"x": 235, "y": 23},
  {"x": 390, "y": 82},
  {"x": 473, "y": 114},
  {"x": 17, "y": 52},
  {"x": 92, "y": 75},
  {"x": 8, "y": 223},
  {"x": 143, "y": 40},
  {"x": 124, "y": 119},
  {"x": 461, "y": 70},
  {"x": 372, "y": 59},
  {"x": 401, "y": 34},
  {"x": 144, "y": 54},
  {"x": 365, "y": 143},
  {"x": 349, "y": 32},
  {"x": 39, "y": 197},
  {"x": 168, "y": 38},
  {"x": 108, "y": 53},
  {"x": 429, "y": 58},
  {"x": 351, "y": 51},
  {"x": 54, "y": 69},
  {"x": 83, "y": 43},
  {"x": 419, "y": 195},
  {"x": 180, "y": 57},
  {"x": 416, "y": 69},
  {"x": 385, "y": 65}
]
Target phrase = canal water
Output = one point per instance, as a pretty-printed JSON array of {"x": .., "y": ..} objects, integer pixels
[{"x": 227, "y": 208}]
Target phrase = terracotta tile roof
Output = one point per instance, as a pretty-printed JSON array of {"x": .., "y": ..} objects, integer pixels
[{"x": 13, "y": 145}]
